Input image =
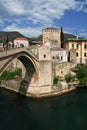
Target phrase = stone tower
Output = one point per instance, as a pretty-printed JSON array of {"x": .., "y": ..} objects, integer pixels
[{"x": 52, "y": 35}]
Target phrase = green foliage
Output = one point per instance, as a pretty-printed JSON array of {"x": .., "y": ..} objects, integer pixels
[
  {"x": 7, "y": 75},
  {"x": 55, "y": 80},
  {"x": 83, "y": 82},
  {"x": 82, "y": 75},
  {"x": 30, "y": 42},
  {"x": 18, "y": 71},
  {"x": 69, "y": 78},
  {"x": 82, "y": 72}
]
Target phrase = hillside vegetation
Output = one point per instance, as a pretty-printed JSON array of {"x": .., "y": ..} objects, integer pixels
[{"x": 10, "y": 36}]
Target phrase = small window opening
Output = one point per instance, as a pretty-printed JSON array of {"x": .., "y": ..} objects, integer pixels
[{"x": 44, "y": 56}]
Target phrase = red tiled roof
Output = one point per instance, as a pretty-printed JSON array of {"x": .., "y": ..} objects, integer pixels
[{"x": 21, "y": 38}]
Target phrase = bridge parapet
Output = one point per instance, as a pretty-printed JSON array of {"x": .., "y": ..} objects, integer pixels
[{"x": 5, "y": 53}]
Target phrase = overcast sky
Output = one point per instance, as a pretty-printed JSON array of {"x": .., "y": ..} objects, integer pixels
[{"x": 29, "y": 17}]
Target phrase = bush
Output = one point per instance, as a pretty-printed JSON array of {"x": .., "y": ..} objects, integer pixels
[
  {"x": 82, "y": 75},
  {"x": 69, "y": 78},
  {"x": 55, "y": 80},
  {"x": 82, "y": 72},
  {"x": 83, "y": 82},
  {"x": 18, "y": 71},
  {"x": 7, "y": 75}
]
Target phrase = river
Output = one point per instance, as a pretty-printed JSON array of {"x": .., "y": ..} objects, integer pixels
[{"x": 65, "y": 112}]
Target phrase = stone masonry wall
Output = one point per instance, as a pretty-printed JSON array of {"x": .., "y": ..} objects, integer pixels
[{"x": 61, "y": 69}]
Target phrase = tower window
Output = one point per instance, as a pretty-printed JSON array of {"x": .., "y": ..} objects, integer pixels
[{"x": 44, "y": 56}]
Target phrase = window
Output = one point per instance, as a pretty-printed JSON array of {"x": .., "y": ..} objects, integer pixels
[
  {"x": 77, "y": 46},
  {"x": 77, "y": 54},
  {"x": 53, "y": 57},
  {"x": 57, "y": 57},
  {"x": 61, "y": 72},
  {"x": 84, "y": 54},
  {"x": 85, "y": 46},
  {"x": 72, "y": 45},
  {"x": 44, "y": 56},
  {"x": 61, "y": 58}
]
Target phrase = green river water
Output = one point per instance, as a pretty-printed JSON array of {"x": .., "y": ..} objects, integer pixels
[{"x": 65, "y": 112}]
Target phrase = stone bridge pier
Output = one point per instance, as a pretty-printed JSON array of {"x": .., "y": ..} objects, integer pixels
[{"x": 43, "y": 79}]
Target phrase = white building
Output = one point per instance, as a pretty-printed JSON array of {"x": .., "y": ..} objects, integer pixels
[
  {"x": 47, "y": 52},
  {"x": 1, "y": 45},
  {"x": 59, "y": 55},
  {"x": 21, "y": 42}
]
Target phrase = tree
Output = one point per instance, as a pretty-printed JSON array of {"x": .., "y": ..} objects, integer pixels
[{"x": 62, "y": 37}]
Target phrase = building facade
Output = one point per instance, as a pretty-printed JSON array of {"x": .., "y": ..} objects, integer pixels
[
  {"x": 80, "y": 45},
  {"x": 21, "y": 42},
  {"x": 59, "y": 55},
  {"x": 52, "y": 35},
  {"x": 44, "y": 53}
]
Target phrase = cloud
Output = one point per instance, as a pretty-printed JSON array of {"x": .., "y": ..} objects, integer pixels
[
  {"x": 37, "y": 13},
  {"x": 82, "y": 5},
  {"x": 82, "y": 32},
  {"x": 29, "y": 31},
  {"x": 39, "y": 10}
]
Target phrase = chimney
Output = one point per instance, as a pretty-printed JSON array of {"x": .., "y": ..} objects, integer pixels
[{"x": 76, "y": 35}]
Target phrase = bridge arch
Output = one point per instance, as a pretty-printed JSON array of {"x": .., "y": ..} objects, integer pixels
[{"x": 31, "y": 70}]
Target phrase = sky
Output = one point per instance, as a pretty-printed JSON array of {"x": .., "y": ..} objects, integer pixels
[{"x": 29, "y": 17}]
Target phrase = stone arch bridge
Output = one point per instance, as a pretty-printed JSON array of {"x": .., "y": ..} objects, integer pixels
[{"x": 37, "y": 75}]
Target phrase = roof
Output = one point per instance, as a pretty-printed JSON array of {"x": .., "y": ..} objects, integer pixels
[
  {"x": 36, "y": 42},
  {"x": 57, "y": 49},
  {"x": 34, "y": 47},
  {"x": 21, "y": 38},
  {"x": 51, "y": 28},
  {"x": 76, "y": 39}
]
